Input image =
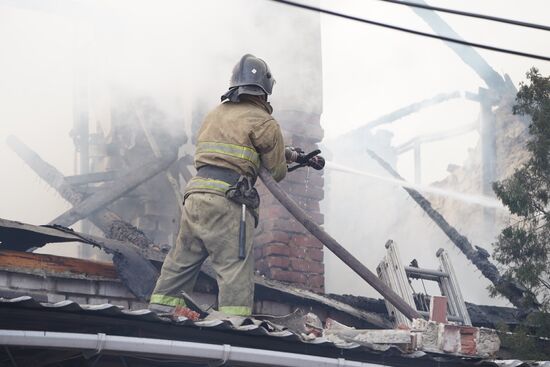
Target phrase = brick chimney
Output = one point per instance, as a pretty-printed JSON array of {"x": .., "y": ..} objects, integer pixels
[{"x": 285, "y": 250}]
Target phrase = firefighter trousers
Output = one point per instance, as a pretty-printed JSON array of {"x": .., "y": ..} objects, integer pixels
[{"x": 210, "y": 228}]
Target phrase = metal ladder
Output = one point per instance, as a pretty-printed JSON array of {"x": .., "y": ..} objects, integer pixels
[{"x": 392, "y": 272}]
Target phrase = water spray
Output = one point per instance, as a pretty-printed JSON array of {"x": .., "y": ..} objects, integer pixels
[{"x": 482, "y": 200}]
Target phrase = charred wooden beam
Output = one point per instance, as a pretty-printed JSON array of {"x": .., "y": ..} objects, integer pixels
[
  {"x": 440, "y": 135},
  {"x": 135, "y": 271},
  {"x": 278, "y": 291},
  {"x": 412, "y": 108},
  {"x": 51, "y": 264},
  {"x": 106, "y": 220},
  {"x": 140, "y": 282},
  {"x": 21, "y": 237},
  {"x": 399, "y": 114},
  {"x": 46, "y": 171},
  {"x": 335, "y": 247},
  {"x": 89, "y": 178},
  {"x": 111, "y": 192},
  {"x": 517, "y": 294}
]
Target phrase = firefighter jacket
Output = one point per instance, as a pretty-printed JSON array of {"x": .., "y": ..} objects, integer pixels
[{"x": 240, "y": 136}]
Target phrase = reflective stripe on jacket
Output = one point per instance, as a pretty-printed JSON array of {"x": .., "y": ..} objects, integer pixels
[
  {"x": 231, "y": 150},
  {"x": 241, "y": 136},
  {"x": 201, "y": 184},
  {"x": 218, "y": 187}
]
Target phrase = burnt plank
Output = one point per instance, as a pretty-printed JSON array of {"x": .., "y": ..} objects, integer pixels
[
  {"x": 89, "y": 178},
  {"x": 52, "y": 264}
]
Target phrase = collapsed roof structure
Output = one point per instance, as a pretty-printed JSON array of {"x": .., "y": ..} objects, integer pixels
[
  {"x": 58, "y": 311},
  {"x": 70, "y": 304}
]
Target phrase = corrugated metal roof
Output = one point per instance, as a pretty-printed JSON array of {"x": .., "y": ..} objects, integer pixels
[{"x": 246, "y": 326}]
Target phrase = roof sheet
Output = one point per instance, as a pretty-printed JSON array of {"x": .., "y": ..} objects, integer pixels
[
  {"x": 236, "y": 326},
  {"x": 247, "y": 325}
]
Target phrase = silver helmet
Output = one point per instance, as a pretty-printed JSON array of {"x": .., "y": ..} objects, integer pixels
[{"x": 251, "y": 76}]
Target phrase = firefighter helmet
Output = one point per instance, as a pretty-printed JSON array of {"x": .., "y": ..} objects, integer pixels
[{"x": 252, "y": 76}]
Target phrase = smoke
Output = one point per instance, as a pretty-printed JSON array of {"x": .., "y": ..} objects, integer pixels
[
  {"x": 65, "y": 61},
  {"x": 63, "y": 57},
  {"x": 182, "y": 52},
  {"x": 367, "y": 208},
  {"x": 60, "y": 59}
]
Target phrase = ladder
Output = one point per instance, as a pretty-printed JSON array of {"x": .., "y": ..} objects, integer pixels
[{"x": 392, "y": 272}]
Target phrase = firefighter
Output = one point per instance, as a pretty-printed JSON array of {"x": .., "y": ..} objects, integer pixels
[{"x": 236, "y": 138}]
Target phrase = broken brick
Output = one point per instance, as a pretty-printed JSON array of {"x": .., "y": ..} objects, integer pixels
[
  {"x": 438, "y": 309},
  {"x": 182, "y": 311},
  {"x": 468, "y": 340}
]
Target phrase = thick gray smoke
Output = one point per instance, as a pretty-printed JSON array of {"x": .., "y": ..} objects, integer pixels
[
  {"x": 177, "y": 54},
  {"x": 61, "y": 57},
  {"x": 62, "y": 60}
]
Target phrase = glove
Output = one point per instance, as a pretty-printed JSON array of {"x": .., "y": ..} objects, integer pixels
[
  {"x": 302, "y": 158},
  {"x": 313, "y": 159},
  {"x": 293, "y": 154}
]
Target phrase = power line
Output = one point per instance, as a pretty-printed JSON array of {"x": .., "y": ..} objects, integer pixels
[
  {"x": 472, "y": 15},
  {"x": 412, "y": 31}
]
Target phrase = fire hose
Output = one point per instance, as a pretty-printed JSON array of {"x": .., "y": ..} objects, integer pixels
[{"x": 327, "y": 240}]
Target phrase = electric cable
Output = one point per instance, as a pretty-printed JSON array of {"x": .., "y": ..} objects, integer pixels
[
  {"x": 412, "y": 31},
  {"x": 469, "y": 14}
]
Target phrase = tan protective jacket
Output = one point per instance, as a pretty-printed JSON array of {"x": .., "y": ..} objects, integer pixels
[{"x": 239, "y": 136}]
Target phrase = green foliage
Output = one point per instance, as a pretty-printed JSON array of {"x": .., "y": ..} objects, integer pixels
[
  {"x": 524, "y": 343},
  {"x": 521, "y": 345},
  {"x": 523, "y": 248}
]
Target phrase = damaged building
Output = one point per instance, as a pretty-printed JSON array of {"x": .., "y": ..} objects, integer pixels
[
  {"x": 76, "y": 303},
  {"x": 133, "y": 160}
]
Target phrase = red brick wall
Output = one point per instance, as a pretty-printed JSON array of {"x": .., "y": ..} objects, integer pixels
[{"x": 285, "y": 250}]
